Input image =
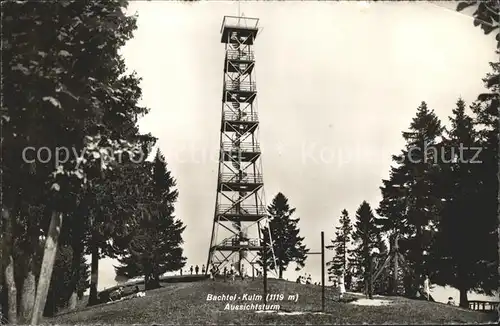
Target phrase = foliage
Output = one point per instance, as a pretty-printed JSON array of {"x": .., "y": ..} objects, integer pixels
[
  {"x": 286, "y": 242},
  {"x": 460, "y": 240},
  {"x": 154, "y": 247},
  {"x": 340, "y": 244},
  {"x": 60, "y": 97},
  {"x": 410, "y": 206},
  {"x": 366, "y": 237},
  {"x": 486, "y": 15}
]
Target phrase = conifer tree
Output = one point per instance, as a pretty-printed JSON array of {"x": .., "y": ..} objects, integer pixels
[
  {"x": 410, "y": 206},
  {"x": 155, "y": 247},
  {"x": 486, "y": 120},
  {"x": 486, "y": 16},
  {"x": 456, "y": 246},
  {"x": 287, "y": 244},
  {"x": 366, "y": 238},
  {"x": 341, "y": 244}
]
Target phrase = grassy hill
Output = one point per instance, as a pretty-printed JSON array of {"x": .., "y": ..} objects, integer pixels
[{"x": 186, "y": 303}]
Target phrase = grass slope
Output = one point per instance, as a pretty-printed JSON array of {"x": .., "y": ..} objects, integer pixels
[{"x": 186, "y": 303}]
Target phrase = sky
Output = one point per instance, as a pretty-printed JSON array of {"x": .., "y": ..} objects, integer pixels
[{"x": 337, "y": 83}]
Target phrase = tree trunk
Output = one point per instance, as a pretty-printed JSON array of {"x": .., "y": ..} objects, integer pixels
[
  {"x": 76, "y": 271},
  {"x": 94, "y": 271},
  {"x": 73, "y": 301},
  {"x": 29, "y": 283},
  {"x": 418, "y": 269},
  {"x": 370, "y": 280},
  {"x": 10, "y": 283},
  {"x": 8, "y": 264},
  {"x": 147, "y": 282},
  {"x": 280, "y": 272},
  {"x": 155, "y": 282},
  {"x": 464, "y": 302},
  {"x": 28, "y": 292},
  {"x": 395, "y": 267},
  {"x": 49, "y": 256}
]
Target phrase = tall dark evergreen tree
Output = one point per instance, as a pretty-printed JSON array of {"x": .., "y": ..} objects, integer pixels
[
  {"x": 366, "y": 237},
  {"x": 487, "y": 17},
  {"x": 409, "y": 207},
  {"x": 155, "y": 247},
  {"x": 454, "y": 253},
  {"x": 341, "y": 244},
  {"x": 287, "y": 244},
  {"x": 486, "y": 118}
]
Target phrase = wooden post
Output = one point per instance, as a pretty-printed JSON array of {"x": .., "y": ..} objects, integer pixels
[{"x": 322, "y": 271}]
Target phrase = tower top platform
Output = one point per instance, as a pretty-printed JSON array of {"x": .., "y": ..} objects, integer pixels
[{"x": 239, "y": 29}]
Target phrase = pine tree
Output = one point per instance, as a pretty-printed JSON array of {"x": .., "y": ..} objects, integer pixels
[
  {"x": 366, "y": 238},
  {"x": 155, "y": 247},
  {"x": 409, "y": 207},
  {"x": 341, "y": 244},
  {"x": 287, "y": 244},
  {"x": 456, "y": 245},
  {"x": 486, "y": 15},
  {"x": 487, "y": 18},
  {"x": 116, "y": 206},
  {"x": 486, "y": 118}
]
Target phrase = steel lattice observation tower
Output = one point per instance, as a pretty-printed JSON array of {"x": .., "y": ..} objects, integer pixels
[{"x": 240, "y": 210}]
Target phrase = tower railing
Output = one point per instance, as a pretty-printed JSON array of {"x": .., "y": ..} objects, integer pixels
[
  {"x": 237, "y": 86},
  {"x": 243, "y": 147},
  {"x": 234, "y": 116},
  {"x": 240, "y": 55},
  {"x": 243, "y": 178},
  {"x": 223, "y": 209},
  {"x": 232, "y": 242},
  {"x": 239, "y": 22}
]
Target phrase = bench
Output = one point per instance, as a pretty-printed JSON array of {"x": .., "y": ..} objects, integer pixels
[{"x": 481, "y": 305}]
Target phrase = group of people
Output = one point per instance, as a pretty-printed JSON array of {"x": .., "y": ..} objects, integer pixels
[
  {"x": 227, "y": 273},
  {"x": 118, "y": 294},
  {"x": 196, "y": 269},
  {"x": 231, "y": 273},
  {"x": 304, "y": 279}
]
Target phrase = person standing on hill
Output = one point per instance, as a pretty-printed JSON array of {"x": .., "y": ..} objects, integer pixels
[
  {"x": 427, "y": 287},
  {"x": 196, "y": 269},
  {"x": 341, "y": 286},
  {"x": 191, "y": 269},
  {"x": 233, "y": 273},
  {"x": 203, "y": 269}
]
